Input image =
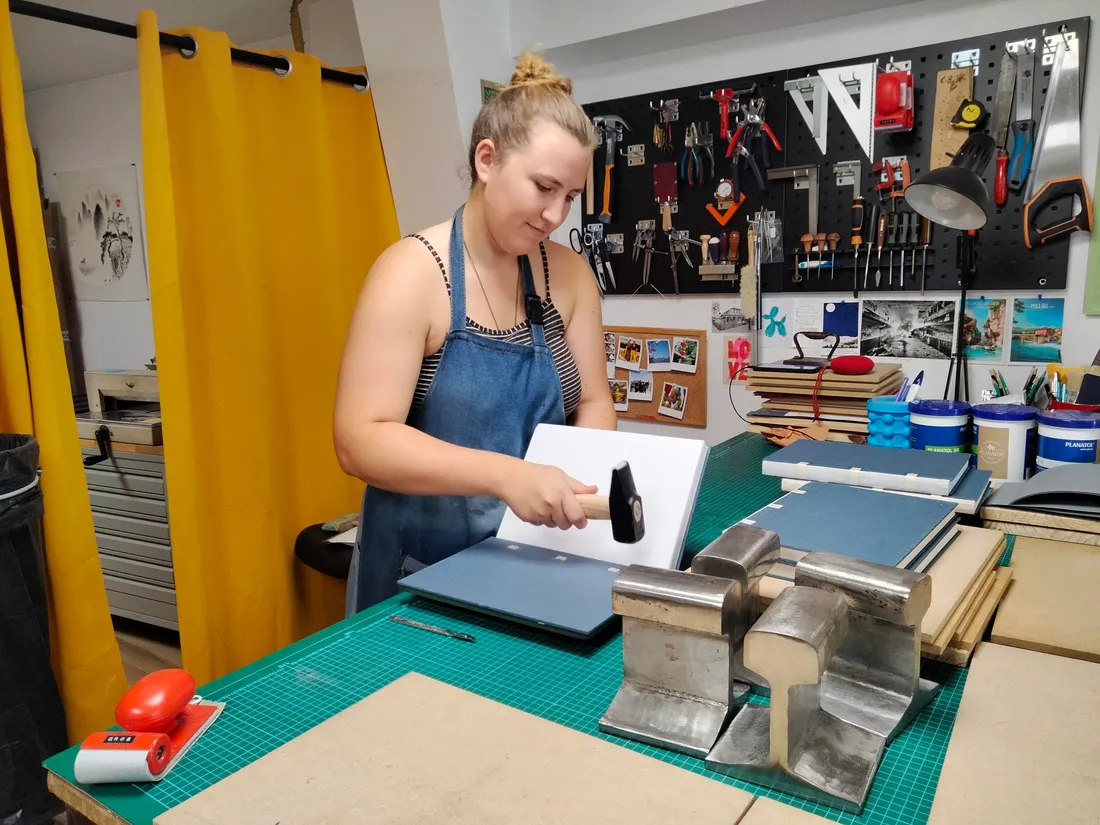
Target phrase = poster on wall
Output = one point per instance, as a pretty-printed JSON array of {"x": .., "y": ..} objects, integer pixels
[
  {"x": 983, "y": 329},
  {"x": 101, "y": 232},
  {"x": 1037, "y": 330},
  {"x": 738, "y": 359},
  {"x": 842, "y": 319},
  {"x": 726, "y": 316},
  {"x": 907, "y": 329}
]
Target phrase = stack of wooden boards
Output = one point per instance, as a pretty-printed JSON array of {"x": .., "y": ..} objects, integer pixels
[
  {"x": 788, "y": 398},
  {"x": 1060, "y": 503},
  {"x": 895, "y": 507}
]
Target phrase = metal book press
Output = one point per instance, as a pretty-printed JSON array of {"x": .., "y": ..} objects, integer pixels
[{"x": 840, "y": 652}]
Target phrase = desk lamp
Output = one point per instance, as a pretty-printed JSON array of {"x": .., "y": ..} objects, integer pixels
[{"x": 956, "y": 197}]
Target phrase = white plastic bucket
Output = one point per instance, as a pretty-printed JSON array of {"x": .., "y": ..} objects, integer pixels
[
  {"x": 1067, "y": 437},
  {"x": 1004, "y": 440}
]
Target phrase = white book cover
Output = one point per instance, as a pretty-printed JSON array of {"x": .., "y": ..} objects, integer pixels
[{"x": 667, "y": 473}]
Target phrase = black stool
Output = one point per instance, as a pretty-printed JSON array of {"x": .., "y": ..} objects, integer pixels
[{"x": 313, "y": 549}]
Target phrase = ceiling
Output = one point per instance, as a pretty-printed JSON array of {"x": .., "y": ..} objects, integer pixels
[{"x": 51, "y": 54}]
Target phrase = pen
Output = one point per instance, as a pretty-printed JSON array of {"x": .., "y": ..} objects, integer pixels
[
  {"x": 902, "y": 391},
  {"x": 442, "y": 631}
]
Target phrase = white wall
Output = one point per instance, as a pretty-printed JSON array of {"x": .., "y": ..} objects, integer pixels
[
  {"x": 406, "y": 55},
  {"x": 97, "y": 123},
  {"x": 476, "y": 33},
  {"x": 906, "y": 26}
]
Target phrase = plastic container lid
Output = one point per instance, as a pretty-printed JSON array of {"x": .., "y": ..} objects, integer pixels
[
  {"x": 1005, "y": 412},
  {"x": 933, "y": 406},
  {"x": 1073, "y": 419}
]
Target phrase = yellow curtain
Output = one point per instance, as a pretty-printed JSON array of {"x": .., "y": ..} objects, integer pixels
[
  {"x": 267, "y": 200},
  {"x": 35, "y": 398}
]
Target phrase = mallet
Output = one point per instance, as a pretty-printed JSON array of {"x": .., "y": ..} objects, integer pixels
[{"x": 623, "y": 506}]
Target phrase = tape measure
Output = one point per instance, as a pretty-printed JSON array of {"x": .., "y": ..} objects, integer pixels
[{"x": 971, "y": 115}]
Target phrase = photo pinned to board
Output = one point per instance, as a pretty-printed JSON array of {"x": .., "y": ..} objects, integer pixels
[
  {"x": 609, "y": 352},
  {"x": 659, "y": 354},
  {"x": 619, "y": 398},
  {"x": 674, "y": 399},
  {"x": 908, "y": 329},
  {"x": 738, "y": 359},
  {"x": 630, "y": 353},
  {"x": 640, "y": 386},
  {"x": 983, "y": 329},
  {"x": 685, "y": 354},
  {"x": 1037, "y": 330}
]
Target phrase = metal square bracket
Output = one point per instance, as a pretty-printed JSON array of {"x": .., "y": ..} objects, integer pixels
[
  {"x": 596, "y": 229},
  {"x": 1050, "y": 45},
  {"x": 967, "y": 59},
  {"x": 812, "y": 88},
  {"x": 843, "y": 83},
  {"x": 615, "y": 241},
  {"x": 635, "y": 155},
  {"x": 847, "y": 172}
]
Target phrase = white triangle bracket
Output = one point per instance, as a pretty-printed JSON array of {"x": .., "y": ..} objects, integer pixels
[
  {"x": 817, "y": 119},
  {"x": 844, "y": 82}
]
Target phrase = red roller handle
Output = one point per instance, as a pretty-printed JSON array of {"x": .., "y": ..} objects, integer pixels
[{"x": 1000, "y": 180}]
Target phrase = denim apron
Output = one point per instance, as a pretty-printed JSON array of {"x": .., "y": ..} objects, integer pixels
[{"x": 487, "y": 394}]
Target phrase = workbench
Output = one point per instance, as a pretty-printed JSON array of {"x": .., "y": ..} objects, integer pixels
[{"x": 570, "y": 682}]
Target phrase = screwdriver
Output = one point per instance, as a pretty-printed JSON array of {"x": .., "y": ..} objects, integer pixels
[
  {"x": 820, "y": 238},
  {"x": 722, "y": 253},
  {"x": 870, "y": 231},
  {"x": 859, "y": 206},
  {"x": 903, "y": 238},
  {"x": 914, "y": 242},
  {"x": 833, "y": 238},
  {"x": 891, "y": 240},
  {"x": 926, "y": 240},
  {"x": 880, "y": 241},
  {"x": 735, "y": 246}
]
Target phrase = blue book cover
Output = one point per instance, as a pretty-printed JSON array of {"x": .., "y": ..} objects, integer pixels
[
  {"x": 520, "y": 582},
  {"x": 876, "y": 526},
  {"x": 863, "y": 465}
]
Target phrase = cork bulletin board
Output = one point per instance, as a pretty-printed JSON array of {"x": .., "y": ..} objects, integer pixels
[{"x": 658, "y": 374}]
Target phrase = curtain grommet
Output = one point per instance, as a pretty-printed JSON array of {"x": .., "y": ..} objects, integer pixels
[
  {"x": 362, "y": 87},
  {"x": 187, "y": 54},
  {"x": 281, "y": 72}
]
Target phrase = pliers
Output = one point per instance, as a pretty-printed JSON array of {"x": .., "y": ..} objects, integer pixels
[
  {"x": 705, "y": 145},
  {"x": 750, "y": 130},
  {"x": 691, "y": 169}
]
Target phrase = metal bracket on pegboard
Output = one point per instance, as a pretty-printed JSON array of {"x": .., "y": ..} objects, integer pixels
[
  {"x": 847, "y": 172},
  {"x": 615, "y": 241},
  {"x": 1050, "y": 46},
  {"x": 968, "y": 59},
  {"x": 898, "y": 66}
]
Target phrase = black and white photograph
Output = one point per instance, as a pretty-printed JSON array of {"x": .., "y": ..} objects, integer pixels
[
  {"x": 907, "y": 329},
  {"x": 726, "y": 316},
  {"x": 609, "y": 352},
  {"x": 641, "y": 385}
]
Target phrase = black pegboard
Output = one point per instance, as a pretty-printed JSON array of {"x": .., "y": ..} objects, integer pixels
[{"x": 1004, "y": 262}]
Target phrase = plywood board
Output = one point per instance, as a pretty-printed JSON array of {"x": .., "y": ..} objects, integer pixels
[
  {"x": 833, "y": 406},
  {"x": 877, "y": 375},
  {"x": 953, "y": 86},
  {"x": 1030, "y": 517},
  {"x": 955, "y": 572},
  {"x": 800, "y": 421},
  {"x": 421, "y": 752},
  {"x": 695, "y": 409},
  {"x": 847, "y": 438},
  {"x": 766, "y": 811},
  {"x": 1018, "y": 762},
  {"x": 1052, "y": 604},
  {"x": 954, "y": 621},
  {"x": 764, "y": 390},
  {"x": 1030, "y": 530}
]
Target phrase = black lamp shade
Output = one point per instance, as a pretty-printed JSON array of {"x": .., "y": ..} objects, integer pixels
[{"x": 951, "y": 196}]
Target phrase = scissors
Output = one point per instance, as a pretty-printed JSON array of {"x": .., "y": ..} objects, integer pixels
[{"x": 584, "y": 244}]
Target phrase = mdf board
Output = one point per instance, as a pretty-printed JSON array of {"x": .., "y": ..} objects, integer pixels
[
  {"x": 421, "y": 752},
  {"x": 690, "y": 386},
  {"x": 880, "y": 373},
  {"x": 1018, "y": 756},
  {"x": 766, "y": 811},
  {"x": 1051, "y": 607},
  {"x": 955, "y": 572},
  {"x": 953, "y": 86}
]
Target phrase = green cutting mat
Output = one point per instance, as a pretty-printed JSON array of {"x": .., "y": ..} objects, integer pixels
[{"x": 568, "y": 682}]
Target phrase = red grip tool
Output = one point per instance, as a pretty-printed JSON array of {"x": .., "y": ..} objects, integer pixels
[{"x": 1000, "y": 179}]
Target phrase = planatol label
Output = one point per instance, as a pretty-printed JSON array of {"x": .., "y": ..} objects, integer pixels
[
  {"x": 1074, "y": 442},
  {"x": 993, "y": 450}
]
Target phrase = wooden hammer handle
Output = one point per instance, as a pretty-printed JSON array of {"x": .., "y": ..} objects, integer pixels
[{"x": 595, "y": 506}]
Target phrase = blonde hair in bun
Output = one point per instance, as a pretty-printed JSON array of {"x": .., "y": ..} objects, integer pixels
[{"x": 535, "y": 92}]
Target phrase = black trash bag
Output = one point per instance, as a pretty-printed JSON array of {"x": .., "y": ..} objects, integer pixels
[{"x": 32, "y": 718}]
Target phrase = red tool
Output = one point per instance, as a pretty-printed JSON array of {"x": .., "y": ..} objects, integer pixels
[
  {"x": 724, "y": 97},
  {"x": 160, "y": 717},
  {"x": 885, "y": 171},
  {"x": 894, "y": 102}
]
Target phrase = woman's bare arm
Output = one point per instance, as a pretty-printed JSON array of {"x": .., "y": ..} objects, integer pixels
[
  {"x": 584, "y": 335},
  {"x": 378, "y": 373}
]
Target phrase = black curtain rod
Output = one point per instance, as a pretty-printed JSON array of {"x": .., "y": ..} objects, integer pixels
[{"x": 184, "y": 43}]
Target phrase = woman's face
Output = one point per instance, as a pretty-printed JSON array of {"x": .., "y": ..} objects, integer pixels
[{"x": 528, "y": 192}]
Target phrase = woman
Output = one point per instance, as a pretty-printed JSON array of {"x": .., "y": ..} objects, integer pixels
[{"x": 465, "y": 337}]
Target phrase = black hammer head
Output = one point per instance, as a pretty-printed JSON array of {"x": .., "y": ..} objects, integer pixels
[{"x": 625, "y": 506}]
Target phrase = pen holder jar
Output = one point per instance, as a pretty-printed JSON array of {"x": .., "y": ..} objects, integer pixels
[{"x": 888, "y": 422}]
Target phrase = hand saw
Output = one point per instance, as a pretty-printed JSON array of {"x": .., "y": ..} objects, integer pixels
[{"x": 1057, "y": 172}]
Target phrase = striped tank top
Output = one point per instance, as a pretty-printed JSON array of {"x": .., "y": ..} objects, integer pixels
[{"x": 553, "y": 329}]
